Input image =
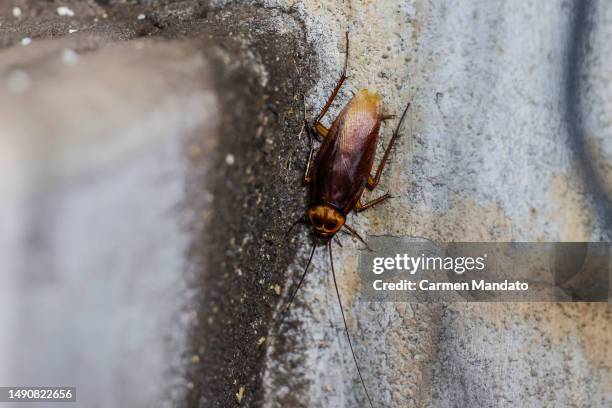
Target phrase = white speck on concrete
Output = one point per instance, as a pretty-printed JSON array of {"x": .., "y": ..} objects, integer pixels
[
  {"x": 26, "y": 41},
  {"x": 69, "y": 56},
  {"x": 229, "y": 159},
  {"x": 64, "y": 11},
  {"x": 18, "y": 81},
  {"x": 72, "y": 30},
  {"x": 16, "y": 12}
]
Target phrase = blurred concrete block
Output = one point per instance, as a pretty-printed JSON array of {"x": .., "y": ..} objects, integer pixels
[{"x": 93, "y": 291}]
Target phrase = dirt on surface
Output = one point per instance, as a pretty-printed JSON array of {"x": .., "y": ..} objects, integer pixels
[{"x": 242, "y": 249}]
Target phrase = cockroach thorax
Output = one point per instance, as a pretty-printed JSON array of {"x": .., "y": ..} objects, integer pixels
[{"x": 326, "y": 220}]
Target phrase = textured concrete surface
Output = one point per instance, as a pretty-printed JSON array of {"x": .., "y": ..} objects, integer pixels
[{"x": 508, "y": 138}]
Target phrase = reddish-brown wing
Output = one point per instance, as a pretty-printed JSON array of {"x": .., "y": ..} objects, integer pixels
[{"x": 345, "y": 159}]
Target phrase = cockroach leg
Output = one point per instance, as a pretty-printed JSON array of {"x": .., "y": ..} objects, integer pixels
[
  {"x": 307, "y": 176},
  {"x": 309, "y": 131},
  {"x": 338, "y": 241},
  {"x": 361, "y": 207},
  {"x": 318, "y": 133},
  {"x": 348, "y": 336},
  {"x": 355, "y": 234},
  {"x": 321, "y": 130},
  {"x": 373, "y": 181},
  {"x": 304, "y": 121},
  {"x": 315, "y": 133},
  {"x": 302, "y": 220},
  {"x": 343, "y": 78}
]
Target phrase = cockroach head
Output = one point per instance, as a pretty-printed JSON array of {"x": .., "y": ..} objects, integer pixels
[{"x": 325, "y": 219}]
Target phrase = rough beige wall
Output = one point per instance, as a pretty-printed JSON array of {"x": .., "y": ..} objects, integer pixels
[{"x": 493, "y": 150}]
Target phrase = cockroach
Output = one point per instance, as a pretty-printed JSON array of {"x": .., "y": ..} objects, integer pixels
[{"x": 341, "y": 172}]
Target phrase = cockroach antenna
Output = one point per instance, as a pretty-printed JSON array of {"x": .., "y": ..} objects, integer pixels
[
  {"x": 352, "y": 232},
  {"x": 346, "y": 330},
  {"x": 292, "y": 296}
]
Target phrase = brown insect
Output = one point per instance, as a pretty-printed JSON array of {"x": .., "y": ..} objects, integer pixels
[{"x": 341, "y": 172}]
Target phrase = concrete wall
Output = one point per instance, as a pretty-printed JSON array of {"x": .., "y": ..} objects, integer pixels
[
  {"x": 508, "y": 99},
  {"x": 149, "y": 167}
]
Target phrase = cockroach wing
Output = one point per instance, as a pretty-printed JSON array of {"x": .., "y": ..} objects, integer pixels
[{"x": 345, "y": 159}]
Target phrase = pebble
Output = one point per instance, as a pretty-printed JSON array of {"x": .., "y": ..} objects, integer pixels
[
  {"x": 229, "y": 159},
  {"x": 240, "y": 394},
  {"x": 141, "y": 17},
  {"x": 64, "y": 11},
  {"x": 26, "y": 41},
  {"x": 16, "y": 12}
]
